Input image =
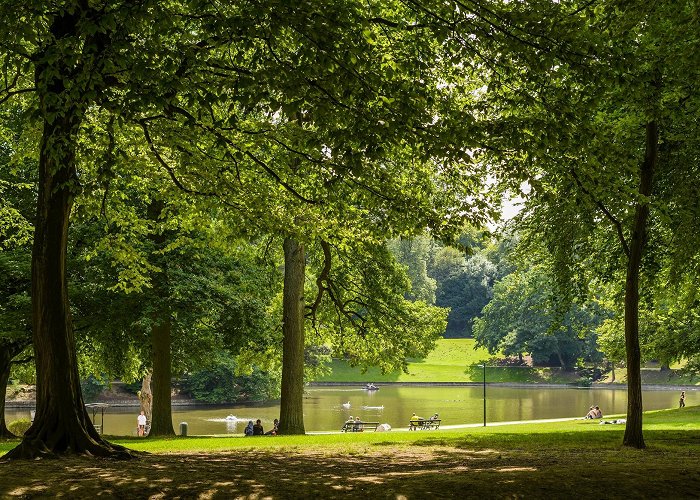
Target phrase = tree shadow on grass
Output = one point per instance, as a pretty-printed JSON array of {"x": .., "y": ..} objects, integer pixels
[{"x": 431, "y": 469}]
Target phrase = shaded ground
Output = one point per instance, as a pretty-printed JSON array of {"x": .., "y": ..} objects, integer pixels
[{"x": 376, "y": 471}]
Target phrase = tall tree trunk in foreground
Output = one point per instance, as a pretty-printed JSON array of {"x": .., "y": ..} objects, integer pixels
[
  {"x": 291, "y": 406},
  {"x": 162, "y": 418},
  {"x": 633, "y": 430},
  {"x": 61, "y": 424}
]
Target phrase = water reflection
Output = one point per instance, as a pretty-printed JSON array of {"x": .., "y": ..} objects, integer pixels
[{"x": 325, "y": 407}]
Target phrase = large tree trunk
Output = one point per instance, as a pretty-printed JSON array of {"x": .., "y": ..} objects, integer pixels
[
  {"x": 633, "y": 430},
  {"x": 291, "y": 406},
  {"x": 61, "y": 424},
  {"x": 162, "y": 418}
]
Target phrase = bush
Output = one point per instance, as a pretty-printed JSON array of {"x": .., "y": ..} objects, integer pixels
[
  {"x": 19, "y": 427},
  {"x": 219, "y": 383}
]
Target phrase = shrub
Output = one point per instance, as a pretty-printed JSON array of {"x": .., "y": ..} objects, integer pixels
[
  {"x": 219, "y": 383},
  {"x": 19, "y": 427}
]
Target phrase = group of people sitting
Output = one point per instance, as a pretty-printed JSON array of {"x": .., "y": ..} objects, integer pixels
[
  {"x": 256, "y": 429},
  {"x": 434, "y": 417},
  {"x": 417, "y": 422},
  {"x": 594, "y": 412},
  {"x": 356, "y": 424}
]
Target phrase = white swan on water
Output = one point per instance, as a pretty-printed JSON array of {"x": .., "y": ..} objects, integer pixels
[{"x": 346, "y": 405}]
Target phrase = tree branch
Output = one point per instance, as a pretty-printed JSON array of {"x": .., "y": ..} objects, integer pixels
[
  {"x": 610, "y": 216},
  {"x": 322, "y": 277}
]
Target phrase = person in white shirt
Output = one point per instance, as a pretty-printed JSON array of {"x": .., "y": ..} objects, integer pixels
[{"x": 142, "y": 424}]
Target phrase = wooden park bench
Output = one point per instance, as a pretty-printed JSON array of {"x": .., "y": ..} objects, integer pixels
[
  {"x": 359, "y": 426},
  {"x": 424, "y": 424}
]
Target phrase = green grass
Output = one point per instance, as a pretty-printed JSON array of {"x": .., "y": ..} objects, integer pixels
[
  {"x": 456, "y": 360},
  {"x": 452, "y": 360},
  {"x": 653, "y": 375},
  {"x": 566, "y": 434},
  {"x": 548, "y": 460}
]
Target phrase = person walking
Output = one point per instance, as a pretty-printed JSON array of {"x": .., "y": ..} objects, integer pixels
[{"x": 681, "y": 403}]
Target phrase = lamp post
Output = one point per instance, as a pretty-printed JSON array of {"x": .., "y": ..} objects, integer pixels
[{"x": 484, "y": 367}]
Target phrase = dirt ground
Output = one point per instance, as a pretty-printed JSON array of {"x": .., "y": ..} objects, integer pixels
[{"x": 447, "y": 472}]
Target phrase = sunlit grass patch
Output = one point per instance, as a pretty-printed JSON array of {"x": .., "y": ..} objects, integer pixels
[{"x": 538, "y": 460}]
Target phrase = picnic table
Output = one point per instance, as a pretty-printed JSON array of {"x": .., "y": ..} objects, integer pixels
[
  {"x": 424, "y": 424},
  {"x": 359, "y": 426}
]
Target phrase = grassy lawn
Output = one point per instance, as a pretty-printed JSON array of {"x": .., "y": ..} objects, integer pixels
[
  {"x": 456, "y": 360},
  {"x": 654, "y": 376},
  {"x": 453, "y": 360},
  {"x": 562, "y": 459}
]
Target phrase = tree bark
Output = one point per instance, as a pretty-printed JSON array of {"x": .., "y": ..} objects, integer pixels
[
  {"x": 61, "y": 424},
  {"x": 162, "y": 418},
  {"x": 291, "y": 405},
  {"x": 633, "y": 430},
  {"x": 146, "y": 396}
]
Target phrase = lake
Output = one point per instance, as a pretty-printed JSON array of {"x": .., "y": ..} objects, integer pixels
[{"x": 394, "y": 404}]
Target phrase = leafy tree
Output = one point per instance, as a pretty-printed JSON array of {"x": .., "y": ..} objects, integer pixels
[
  {"x": 17, "y": 198},
  {"x": 599, "y": 126},
  {"x": 362, "y": 312},
  {"x": 71, "y": 56},
  {"x": 415, "y": 255},
  {"x": 305, "y": 161},
  {"x": 222, "y": 383},
  {"x": 202, "y": 291},
  {"x": 465, "y": 278},
  {"x": 525, "y": 316}
]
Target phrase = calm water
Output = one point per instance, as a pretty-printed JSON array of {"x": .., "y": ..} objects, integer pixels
[{"x": 324, "y": 410}]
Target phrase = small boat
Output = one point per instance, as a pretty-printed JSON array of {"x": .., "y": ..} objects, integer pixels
[
  {"x": 346, "y": 405},
  {"x": 231, "y": 418},
  {"x": 371, "y": 387},
  {"x": 373, "y": 407}
]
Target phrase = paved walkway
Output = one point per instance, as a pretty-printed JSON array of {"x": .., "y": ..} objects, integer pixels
[{"x": 467, "y": 426}]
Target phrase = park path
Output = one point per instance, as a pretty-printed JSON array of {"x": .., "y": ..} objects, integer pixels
[{"x": 467, "y": 426}]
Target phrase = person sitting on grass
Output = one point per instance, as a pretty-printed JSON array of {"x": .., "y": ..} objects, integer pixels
[
  {"x": 258, "y": 428},
  {"x": 248, "y": 431},
  {"x": 274, "y": 430},
  {"x": 598, "y": 413},
  {"x": 590, "y": 414}
]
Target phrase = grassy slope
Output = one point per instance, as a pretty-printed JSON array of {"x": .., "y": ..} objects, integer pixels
[
  {"x": 452, "y": 360},
  {"x": 558, "y": 460},
  {"x": 455, "y": 360}
]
